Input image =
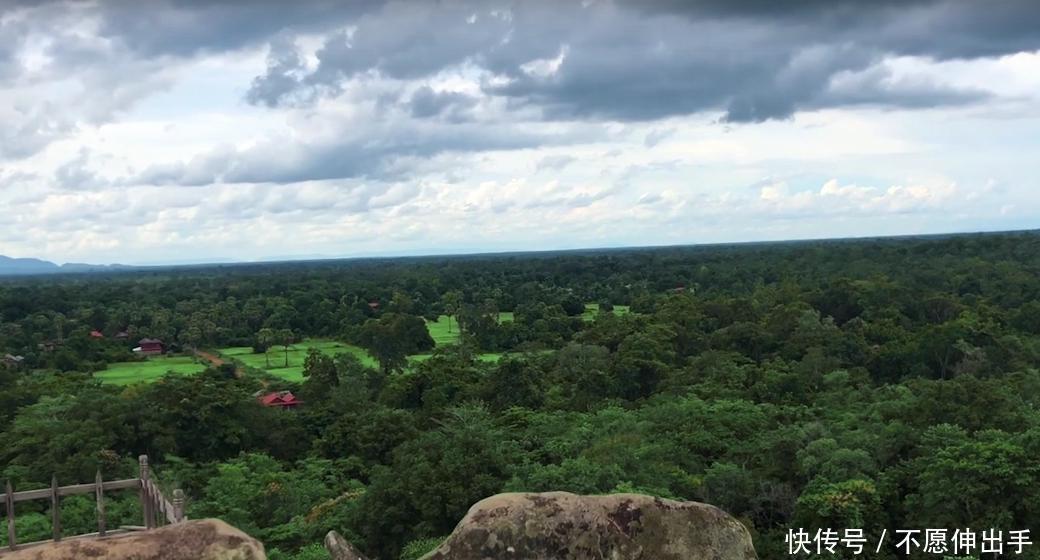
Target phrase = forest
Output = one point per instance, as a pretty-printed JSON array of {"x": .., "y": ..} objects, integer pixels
[{"x": 881, "y": 384}]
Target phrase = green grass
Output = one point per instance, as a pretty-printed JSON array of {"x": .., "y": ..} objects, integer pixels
[
  {"x": 592, "y": 309},
  {"x": 127, "y": 373},
  {"x": 439, "y": 328},
  {"x": 439, "y": 331},
  {"x": 297, "y": 354}
]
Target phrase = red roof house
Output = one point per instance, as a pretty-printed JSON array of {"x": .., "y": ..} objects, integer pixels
[
  {"x": 149, "y": 346},
  {"x": 281, "y": 399},
  {"x": 96, "y": 334}
]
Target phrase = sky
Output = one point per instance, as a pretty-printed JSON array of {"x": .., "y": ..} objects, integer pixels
[{"x": 191, "y": 131}]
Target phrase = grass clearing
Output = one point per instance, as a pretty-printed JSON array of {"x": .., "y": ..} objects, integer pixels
[
  {"x": 592, "y": 310},
  {"x": 439, "y": 330},
  {"x": 441, "y": 335},
  {"x": 296, "y": 355},
  {"x": 128, "y": 373}
]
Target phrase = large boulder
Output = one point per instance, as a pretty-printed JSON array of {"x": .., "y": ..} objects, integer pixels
[
  {"x": 559, "y": 525},
  {"x": 207, "y": 539}
]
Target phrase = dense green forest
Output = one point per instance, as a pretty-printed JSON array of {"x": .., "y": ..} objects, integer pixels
[{"x": 875, "y": 384}]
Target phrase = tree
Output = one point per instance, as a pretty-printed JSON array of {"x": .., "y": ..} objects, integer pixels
[
  {"x": 421, "y": 492},
  {"x": 266, "y": 337},
  {"x": 285, "y": 337},
  {"x": 393, "y": 336},
  {"x": 452, "y": 302},
  {"x": 320, "y": 368}
]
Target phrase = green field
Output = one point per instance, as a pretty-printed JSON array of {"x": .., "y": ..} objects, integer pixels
[
  {"x": 592, "y": 309},
  {"x": 439, "y": 331},
  {"x": 297, "y": 354},
  {"x": 439, "y": 328},
  {"x": 126, "y": 373}
]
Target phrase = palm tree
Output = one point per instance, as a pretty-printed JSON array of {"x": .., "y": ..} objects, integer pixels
[
  {"x": 452, "y": 301},
  {"x": 266, "y": 338},
  {"x": 285, "y": 338}
]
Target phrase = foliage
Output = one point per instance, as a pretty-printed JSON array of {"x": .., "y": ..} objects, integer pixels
[{"x": 876, "y": 384}]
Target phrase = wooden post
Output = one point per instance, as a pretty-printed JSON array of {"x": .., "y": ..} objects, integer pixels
[
  {"x": 178, "y": 505},
  {"x": 55, "y": 509},
  {"x": 99, "y": 492},
  {"x": 146, "y": 499},
  {"x": 12, "y": 542}
]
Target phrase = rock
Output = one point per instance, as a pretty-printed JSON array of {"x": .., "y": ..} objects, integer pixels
[
  {"x": 340, "y": 549},
  {"x": 207, "y": 539},
  {"x": 563, "y": 526}
]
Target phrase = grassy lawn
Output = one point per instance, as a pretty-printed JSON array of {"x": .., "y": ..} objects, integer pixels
[
  {"x": 592, "y": 309},
  {"x": 439, "y": 328},
  {"x": 439, "y": 331},
  {"x": 297, "y": 354},
  {"x": 127, "y": 373}
]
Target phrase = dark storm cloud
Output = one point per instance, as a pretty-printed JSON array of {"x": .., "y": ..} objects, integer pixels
[
  {"x": 648, "y": 60},
  {"x": 187, "y": 27},
  {"x": 626, "y": 60}
]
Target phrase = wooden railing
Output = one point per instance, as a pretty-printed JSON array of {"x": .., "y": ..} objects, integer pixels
[{"x": 156, "y": 510}]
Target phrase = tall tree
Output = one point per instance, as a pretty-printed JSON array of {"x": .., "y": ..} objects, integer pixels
[{"x": 266, "y": 338}]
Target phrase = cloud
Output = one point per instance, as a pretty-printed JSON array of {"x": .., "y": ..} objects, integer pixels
[
  {"x": 879, "y": 85},
  {"x": 656, "y": 136},
  {"x": 183, "y": 126},
  {"x": 27, "y": 130},
  {"x": 284, "y": 65},
  {"x": 834, "y": 199},
  {"x": 634, "y": 61},
  {"x": 426, "y": 102},
  {"x": 554, "y": 162},
  {"x": 185, "y": 29},
  {"x": 386, "y": 150},
  {"x": 77, "y": 173}
]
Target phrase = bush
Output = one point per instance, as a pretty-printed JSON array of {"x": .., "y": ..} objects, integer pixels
[{"x": 419, "y": 547}]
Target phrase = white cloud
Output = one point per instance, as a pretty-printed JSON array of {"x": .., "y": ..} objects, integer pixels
[{"x": 109, "y": 153}]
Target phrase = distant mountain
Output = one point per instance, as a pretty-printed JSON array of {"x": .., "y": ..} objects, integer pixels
[{"x": 11, "y": 266}]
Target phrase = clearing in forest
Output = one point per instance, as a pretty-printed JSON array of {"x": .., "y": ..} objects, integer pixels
[
  {"x": 296, "y": 355},
  {"x": 127, "y": 373},
  {"x": 592, "y": 309}
]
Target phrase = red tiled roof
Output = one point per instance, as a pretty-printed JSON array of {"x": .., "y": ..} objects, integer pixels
[{"x": 281, "y": 398}]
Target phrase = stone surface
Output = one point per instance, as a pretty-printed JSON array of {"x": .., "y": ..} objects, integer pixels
[
  {"x": 207, "y": 539},
  {"x": 340, "y": 549},
  {"x": 563, "y": 526}
]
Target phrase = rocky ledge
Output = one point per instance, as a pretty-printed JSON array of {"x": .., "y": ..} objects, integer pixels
[
  {"x": 207, "y": 539},
  {"x": 564, "y": 526}
]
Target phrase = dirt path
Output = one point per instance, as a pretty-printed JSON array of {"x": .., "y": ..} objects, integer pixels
[{"x": 216, "y": 360}]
